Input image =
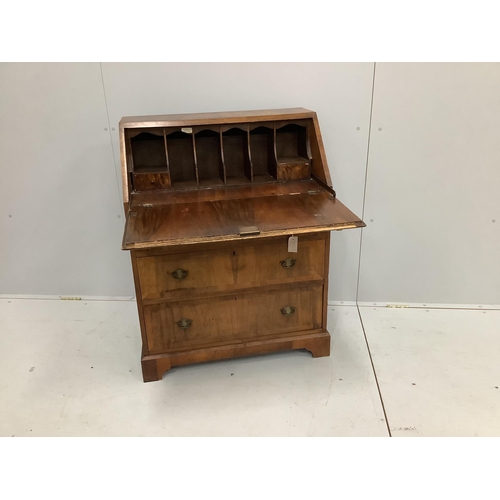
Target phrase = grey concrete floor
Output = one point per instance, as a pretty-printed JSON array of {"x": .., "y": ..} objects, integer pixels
[{"x": 72, "y": 368}]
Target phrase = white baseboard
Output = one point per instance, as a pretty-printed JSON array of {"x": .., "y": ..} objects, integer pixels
[
  {"x": 420, "y": 305},
  {"x": 331, "y": 303},
  {"x": 341, "y": 303},
  {"x": 63, "y": 297}
]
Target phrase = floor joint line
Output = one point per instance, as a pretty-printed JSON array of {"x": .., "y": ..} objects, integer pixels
[{"x": 374, "y": 372}]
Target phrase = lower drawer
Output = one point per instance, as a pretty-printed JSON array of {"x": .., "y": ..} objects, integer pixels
[{"x": 190, "y": 323}]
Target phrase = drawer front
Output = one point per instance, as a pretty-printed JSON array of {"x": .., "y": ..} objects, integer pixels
[
  {"x": 151, "y": 181},
  {"x": 231, "y": 268},
  {"x": 193, "y": 323}
]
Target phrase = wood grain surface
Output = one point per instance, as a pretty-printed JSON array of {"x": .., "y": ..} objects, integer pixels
[
  {"x": 192, "y": 119},
  {"x": 211, "y": 200},
  {"x": 317, "y": 343},
  {"x": 230, "y": 268},
  {"x": 185, "y": 223},
  {"x": 232, "y": 317}
]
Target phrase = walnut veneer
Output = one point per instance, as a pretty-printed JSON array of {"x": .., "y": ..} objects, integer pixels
[{"x": 211, "y": 202}]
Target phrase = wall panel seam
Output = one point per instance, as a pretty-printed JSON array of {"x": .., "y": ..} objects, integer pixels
[
  {"x": 117, "y": 174},
  {"x": 366, "y": 177}
]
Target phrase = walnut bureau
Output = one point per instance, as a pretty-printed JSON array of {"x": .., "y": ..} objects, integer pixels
[{"x": 228, "y": 220}]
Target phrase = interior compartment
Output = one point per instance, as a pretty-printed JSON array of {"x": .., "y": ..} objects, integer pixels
[
  {"x": 262, "y": 152},
  {"x": 212, "y": 155},
  {"x": 151, "y": 181},
  {"x": 148, "y": 152},
  {"x": 181, "y": 159},
  {"x": 291, "y": 143},
  {"x": 236, "y": 159},
  {"x": 208, "y": 157}
]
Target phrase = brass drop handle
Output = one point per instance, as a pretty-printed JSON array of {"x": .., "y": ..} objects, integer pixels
[
  {"x": 288, "y": 263},
  {"x": 184, "y": 323},
  {"x": 180, "y": 274},
  {"x": 287, "y": 311}
]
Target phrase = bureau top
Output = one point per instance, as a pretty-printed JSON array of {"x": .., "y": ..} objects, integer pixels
[
  {"x": 178, "y": 120},
  {"x": 206, "y": 177}
]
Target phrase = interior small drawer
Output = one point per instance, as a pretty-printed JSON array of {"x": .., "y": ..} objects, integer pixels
[
  {"x": 232, "y": 268},
  {"x": 248, "y": 316},
  {"x": 151, "y": 181}
]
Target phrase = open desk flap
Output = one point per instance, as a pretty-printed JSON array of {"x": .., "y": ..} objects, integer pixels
[{"x": 184, "y": 221}]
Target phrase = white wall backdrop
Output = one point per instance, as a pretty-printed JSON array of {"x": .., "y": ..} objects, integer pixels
[
  {"x": 339, "y": 93},
  {"x": 59, "y": 227},
  {"x": 63, "y": 185},
  {"x": 431, "y": 189},
  {"x": 433, "y": 186}
]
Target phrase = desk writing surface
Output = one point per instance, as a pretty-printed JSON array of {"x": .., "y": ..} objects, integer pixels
[{"x": 186, "y": 222}]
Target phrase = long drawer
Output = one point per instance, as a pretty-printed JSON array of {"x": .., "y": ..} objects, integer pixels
[
  {"x": 192, "y": 323},
  {"x": 232, "y": 268}
]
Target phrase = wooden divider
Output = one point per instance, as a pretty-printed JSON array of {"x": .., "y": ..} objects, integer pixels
[{"x": 212, "y": 155}]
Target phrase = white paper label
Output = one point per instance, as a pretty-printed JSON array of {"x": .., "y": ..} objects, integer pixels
[
  {"x": 293, "y": 243},
  {"x": 187, "y": 130}
]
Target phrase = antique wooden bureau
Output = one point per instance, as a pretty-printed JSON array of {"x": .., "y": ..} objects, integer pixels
[{"x": 228, "y": 220}]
